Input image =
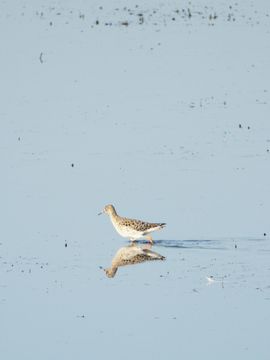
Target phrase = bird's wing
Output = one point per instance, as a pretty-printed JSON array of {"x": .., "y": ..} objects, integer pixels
[
  {"x": 140, "y": 225},
  {"x": 129, "y": 252}
]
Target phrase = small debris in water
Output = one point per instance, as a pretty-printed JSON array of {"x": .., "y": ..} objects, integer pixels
[
  {"x": 41, "y": 57},
  {"x": 235, "y": 246},
  {"x": 65, "y": 244},
  {"x": 264, "y": 234},
  {"x": 141, "y": 19},
  {"x": 72, "y": 165},
  {"x": 240, "y": 126}
]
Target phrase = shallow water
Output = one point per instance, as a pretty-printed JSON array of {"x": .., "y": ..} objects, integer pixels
[
  {"x": 69, "y": 307},
  {"x": 168, "y": 119}
]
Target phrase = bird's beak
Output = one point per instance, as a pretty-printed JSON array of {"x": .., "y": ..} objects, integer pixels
[{"x": 101, "y": 212}]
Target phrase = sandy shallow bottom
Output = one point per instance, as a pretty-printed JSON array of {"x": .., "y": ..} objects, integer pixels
[{"x": 163, "y": 111}]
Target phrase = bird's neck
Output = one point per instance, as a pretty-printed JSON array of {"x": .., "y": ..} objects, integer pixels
[{"x": 113, "y": 214}]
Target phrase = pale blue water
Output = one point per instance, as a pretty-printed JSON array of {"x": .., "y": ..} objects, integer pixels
[{"x": 169, "y": 121}]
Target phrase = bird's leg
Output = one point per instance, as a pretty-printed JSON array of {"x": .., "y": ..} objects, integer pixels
[
  {"x": 148, "y": 246},
  {"x": 132, "y": 240},
  {"x": 150, "y": 239}
]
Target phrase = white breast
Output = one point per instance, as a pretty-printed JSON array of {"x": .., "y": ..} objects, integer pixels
[{"x": 126, "y": 231}]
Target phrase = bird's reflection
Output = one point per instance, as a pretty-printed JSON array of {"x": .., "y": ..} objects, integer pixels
[{"x": 131, "y": 255}]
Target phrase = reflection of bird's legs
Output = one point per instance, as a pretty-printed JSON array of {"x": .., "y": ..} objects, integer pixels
[
  {"x": 132, "y": 240},
  {"x": 150, "y": 239}
]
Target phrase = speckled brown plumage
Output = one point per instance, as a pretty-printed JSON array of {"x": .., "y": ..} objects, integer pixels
[
  {"x": 132, "y": 228},
  {"x": 138, "y": 224},
  {"x": 131, "y": 255}
]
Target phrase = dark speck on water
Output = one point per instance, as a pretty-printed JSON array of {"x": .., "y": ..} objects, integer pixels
[
  {"x": 81, "y": 316},
  {"x": 41, "y": 57},
  {"x": 72, "y": 165}
]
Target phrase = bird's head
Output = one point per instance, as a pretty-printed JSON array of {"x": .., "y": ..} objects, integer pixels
[
  {"x": 110, "y": 272},
  {"x": 109, "y": 210}
]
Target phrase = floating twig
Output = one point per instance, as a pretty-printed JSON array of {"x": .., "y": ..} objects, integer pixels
[{"x": 41, "y": 58}]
